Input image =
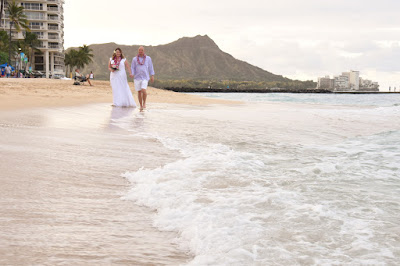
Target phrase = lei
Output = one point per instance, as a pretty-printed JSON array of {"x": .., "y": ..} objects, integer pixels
[
  {"x": 117, "y": 60},
  {"x": 144, "y": 59}
]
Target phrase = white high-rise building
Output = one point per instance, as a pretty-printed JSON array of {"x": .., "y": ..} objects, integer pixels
[
  {"x": 354, "y": 80},
  {"x": 46, "y": 20}
]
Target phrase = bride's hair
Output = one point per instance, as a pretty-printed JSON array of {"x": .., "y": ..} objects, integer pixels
[{"x": 115, "y": 53}]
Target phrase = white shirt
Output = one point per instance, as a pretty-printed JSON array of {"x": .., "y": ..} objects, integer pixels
[{"x": 8, "y": 70}]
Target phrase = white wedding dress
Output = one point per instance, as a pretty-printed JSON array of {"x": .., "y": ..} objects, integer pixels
[{"x": 122, "y": 95}]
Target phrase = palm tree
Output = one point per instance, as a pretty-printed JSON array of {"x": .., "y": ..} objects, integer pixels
[
  {"x": 84, "y": 56},
  {"x": 78, "y": 58},
  {"x": 3, "y": 47},
  {"x": 3, "y": 41},
  {"x": 70, "y": 59},
  {"x": 17, "y": 19},
  {"x": 86, "y": 50}
]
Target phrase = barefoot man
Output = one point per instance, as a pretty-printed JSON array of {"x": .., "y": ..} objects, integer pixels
[{"x": 143, "y": 71}]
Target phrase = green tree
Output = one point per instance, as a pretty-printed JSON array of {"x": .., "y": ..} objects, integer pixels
[
  {"x": 85, "y": 56},
  {"x": 3, "y": 41},
  {"x": 3, "y": 57},
  {"x": 70, "y": 59},
  {"x": 78, "y": 58},
  {"x": 17, "y": 19},
  {"x": 3, "y": 47}
]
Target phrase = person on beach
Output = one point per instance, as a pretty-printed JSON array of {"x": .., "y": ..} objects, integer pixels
[
  {"x": 3, "y": 72},
  {"x": 117, "y": 65},
  {"x": 8, "y": 71},
  {"x": 81, "y": 77},
  {"x": 142, "y": 71},
  {"x": 91, "y": 76}
]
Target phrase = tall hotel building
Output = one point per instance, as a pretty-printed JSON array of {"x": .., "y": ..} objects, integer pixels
[{"x": 46, "y": 20}]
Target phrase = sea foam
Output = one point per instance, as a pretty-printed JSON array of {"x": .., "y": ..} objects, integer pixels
[{"x": 241, "y": 199}]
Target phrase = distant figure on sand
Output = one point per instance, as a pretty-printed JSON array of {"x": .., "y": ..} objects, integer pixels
[
  {"x": 122, "y": 95},
  {"x": 81, "y": 77},
  {"x": 8, "y": 71},
  {"x": 91, "y": 76},
  {"x": 143, "y": 71}
]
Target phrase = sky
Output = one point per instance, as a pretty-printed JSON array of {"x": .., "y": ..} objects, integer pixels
[{"x": 299, "y": 39}]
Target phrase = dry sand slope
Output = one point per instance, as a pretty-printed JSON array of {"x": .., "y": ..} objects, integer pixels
[{"x": 28, "y": 93}]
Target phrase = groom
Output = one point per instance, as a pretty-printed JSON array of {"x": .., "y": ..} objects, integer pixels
[{"x": 142, "y": 71}]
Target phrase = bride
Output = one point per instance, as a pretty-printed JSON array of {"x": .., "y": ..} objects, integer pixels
[{"x": 122, "y": 95}]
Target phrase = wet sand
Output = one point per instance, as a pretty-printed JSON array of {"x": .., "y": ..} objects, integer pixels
[{"x": 61, "y": 191}]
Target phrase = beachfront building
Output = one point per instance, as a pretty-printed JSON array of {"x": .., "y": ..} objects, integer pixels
[
  {"x": 326, "y": 83},
  {"x": 368, "y": 85},
  {"x": 348, "y": 81},
  {"x": 46, "y": 20},
  {"x": 354, "y": 79},
  {"x": 341, "y": 83}
]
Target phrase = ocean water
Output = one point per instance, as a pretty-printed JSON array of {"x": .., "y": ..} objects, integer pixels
[
  {"x": 281, "y": 179},
  {"x": 322, "y": 98}
]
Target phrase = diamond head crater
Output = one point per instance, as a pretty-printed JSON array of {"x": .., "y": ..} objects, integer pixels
[{"x": 197, "y": 64}]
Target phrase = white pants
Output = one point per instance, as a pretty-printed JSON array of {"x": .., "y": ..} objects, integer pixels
[{"x": 141, "y": 84}]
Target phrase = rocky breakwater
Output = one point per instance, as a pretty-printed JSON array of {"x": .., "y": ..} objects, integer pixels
[{"x": 249, "y": 90}]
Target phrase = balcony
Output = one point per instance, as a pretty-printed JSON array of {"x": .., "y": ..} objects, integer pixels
[
  {"x": 54, "y": 37},
  {"x": 33, "y": 8},
  {"x": 39, "y": 35},
  {"x": 55, "y": 18},
  {"x": 36, "y": 16},
  {"x": 36, "y": 27},
  {"x": 51, "y": 27},
  {"x": 7, "y": 26},
  {"x": 52, "y": 9},
  {"x": 54, "y": 45}
]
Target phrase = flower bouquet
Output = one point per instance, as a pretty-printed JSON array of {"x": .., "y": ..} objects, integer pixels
[{"x": 114, "y": 65}]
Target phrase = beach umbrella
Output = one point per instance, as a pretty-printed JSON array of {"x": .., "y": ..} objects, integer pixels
[{"x": 4, "y": 65}]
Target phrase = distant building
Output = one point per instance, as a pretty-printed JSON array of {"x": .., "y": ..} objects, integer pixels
[
  {"x": 326, "y": 83},
  {"x": 342, "y": 83},
  {"x": 348, "y": 81},
  {"x": 353, "y": 83},
  {"x": 354, "y": 80},
  {"x": 368, "y": 85},
  {"x": 46, "y": 20}
]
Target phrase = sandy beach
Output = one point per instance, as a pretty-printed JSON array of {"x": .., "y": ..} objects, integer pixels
[
  {"x": 29, "y": 93},
  {"x": 61, "y": 163}
]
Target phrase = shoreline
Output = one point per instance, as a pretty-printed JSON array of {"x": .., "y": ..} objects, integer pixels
[
  {"x": 308, "y": 91},
  {"x": 33, "y": 93}
]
